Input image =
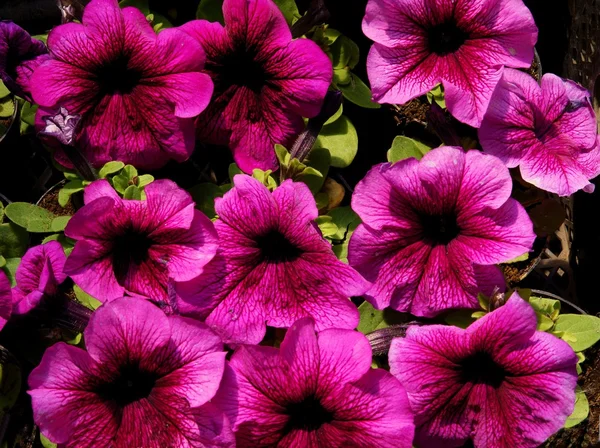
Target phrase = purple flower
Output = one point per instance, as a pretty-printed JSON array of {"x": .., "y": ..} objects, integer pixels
[
  {"x": 62, "y": 126},
  {"x": 135, "y": 90},
  {"x": 145, "y": 380},
  {"x": 462, "y": 44},
  {"x": 5, "y": 299},
  {"x": 137, "y": 247},
  {"x": 20, "y": 54},
  {"x": 432, "y": 230},
  {"x": 316, "y": 391},
  {"x": 548, "y": 130},
  {"x": 273, "y": 266},
  {"x": 265, "y": 82},
  {"x": 39, "y": 275},
  {"x": 499, "y": 382}
]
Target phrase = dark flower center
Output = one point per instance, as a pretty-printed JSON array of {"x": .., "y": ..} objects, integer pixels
[
  {"x": 480, "y": 368},
  {"x": 116, "y": 77},
  {"x": 440, "y": 229},
  {"x": 307, "y": 415},
  {"x": 132, "y": 384},
  {"x": 240, "y": 68},
  {"x": 130, "y": 248},
  {"x": 275, "y": 247},
  {"x": 446, "y": 38}
]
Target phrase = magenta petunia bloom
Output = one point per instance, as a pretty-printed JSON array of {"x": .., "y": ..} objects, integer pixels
[
  {"x": 136, "y": 90},
  {"x": 315, "y": 391},
  {"x": 39, "y": 275},
  {"x": 265, "y": 82},
  {"x": 462, "y": 44},
  {"x": 273, "y": 266},
  {"x": 137, "y": 247},
  {"x": 433, "y": 230},
  {"x": 547, "y": 130},
  {"x": 20, "y": 54},
  {"x": 500, "y": 382},
  {"x": 145, "y": 381},
  {"x": 5, "y": 299}
]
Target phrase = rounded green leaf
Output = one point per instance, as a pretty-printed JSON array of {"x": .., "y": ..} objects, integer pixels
[
  {"x": 359, "y": 93},
  {"x": 320, "y": 160},
  {"x": 7, "y": 107},
  {"x": 4, "y": 92},
  {"x": 31, "y": 217},
  {"x": 45, "y": 442},
  {"x": 59, "y": 223},
  {"x": 581, "y": 411},
  {"x": 341, "y": 139},
  {"x": 110, "y": 168},
  {"x": 87, "y": 300},
  {"x": 404, "y": 148},
  {"x": 204, "y": 196},
  {"x": 70, "y": 188},
  {"x": 579, "y": 331},
  {"x": 13, "y": 240},
  {"x": 289, "y": 10}
]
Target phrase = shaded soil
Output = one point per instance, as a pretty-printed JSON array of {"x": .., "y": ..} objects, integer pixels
[{"x": 50, "y": 202}]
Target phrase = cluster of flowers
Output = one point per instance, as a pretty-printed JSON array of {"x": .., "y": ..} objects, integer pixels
[{"x": 175, "y": 286}]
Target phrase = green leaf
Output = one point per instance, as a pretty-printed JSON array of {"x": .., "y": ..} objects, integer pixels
[
  {"x": 283, "y": 156},
  {"x": 87, "y": 300},
  {"x": 28, "y": 112},
  {"x": 341, "y": 139},
  {"x": 459, "y": 318},
  {"x": 46, "y": 443},
  {"x": 41, "y": 37},
  {"x": 341, "y": 250},
  {"x": 581, "y": 411},
  {"x": 345, "y": 53},
  {"x": 7, "y": 107},
  {"x": 133, "y": 193},
  {"x": 404, "y": 148},
  {"x": 59, "y": 223},
  {"x": 70, "y": 188},
  {"x": 10, "y": 385},
  {"x": 331, "y": 35},
  {"x": 579, "y": 331},
  {"x": 372, "y": 319},
  {"x": 2, "y": 261},
  {"x": 343, "y": 217},
  {"x": 544, "y": 323},
  {"x": 13, "y": 240},
  {"x": 326, "y": 225},
  {"x": 265, "y": 177},
  {"x": 289, "y": 10},
  {"x": 547, "y": 307},
  {"x": 144, "y": 180},
  {"x": 335, "y": 116},
  {"x": 358, "y": 93},
  {"x": 110, "y": 168},
  {"x": 31, "y": 217},
  {"x": 10, "y": 269},
  {"x": 580, "y": 359},
  {"x": 4, "y": 92},
  {"x": 233, "y": 171},
  {"x": 211, "y": 10},
  {"x": 125, "y": 179},
  {"x": 437, "y": 95},
  {"x": 1, "y": 212},
  {"x": 204, "y": 196},
  {"x": 319, "y": 159}
]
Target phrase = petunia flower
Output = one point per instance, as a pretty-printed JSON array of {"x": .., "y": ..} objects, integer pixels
[
  {"x": 145, "y": 381},
  {"x": 434, "y": 229},
  {"x": 5, "y": 299},
  {"x": 462, "y": 44},
  {"x": 547, "y": 130},
  {"x": 315, "y": 391},
  {"x": 265, "y": 82},
  {"x": 136, "y": 90},
  {"x": 500, "y": 382},
  {"x": 137, "y": 247},
  {"x": 39, "y": 275},
  {"x": 272, "y": 268},
  {"x": 20, "y": 54}
]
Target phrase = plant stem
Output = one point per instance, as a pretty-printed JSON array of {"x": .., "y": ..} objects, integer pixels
[
  {"x": 81, "y": 164},
  {"x": 317, "y": 14}
]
